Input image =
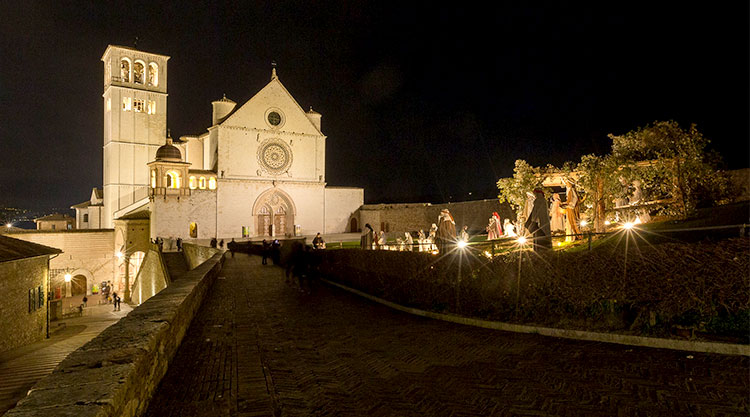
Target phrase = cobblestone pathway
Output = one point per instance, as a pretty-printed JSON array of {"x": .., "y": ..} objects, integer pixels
[
  {"x": 22, "y": 367},
  {"x": 259, "y": 347}
]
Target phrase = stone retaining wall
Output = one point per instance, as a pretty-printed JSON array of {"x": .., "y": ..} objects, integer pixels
[
  {"x": 196, "y": 254},
  {"x": 116, "y": 373}
]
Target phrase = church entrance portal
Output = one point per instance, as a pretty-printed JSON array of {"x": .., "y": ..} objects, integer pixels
[{"x": 274, "y": 214}]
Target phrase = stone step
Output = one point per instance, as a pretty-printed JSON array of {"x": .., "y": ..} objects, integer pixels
[{"x": 176, "y": 264}]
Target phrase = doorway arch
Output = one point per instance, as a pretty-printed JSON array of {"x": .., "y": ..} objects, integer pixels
[
  {"x": 354, "y": 227},
  {"x": 274, "y": 212}
]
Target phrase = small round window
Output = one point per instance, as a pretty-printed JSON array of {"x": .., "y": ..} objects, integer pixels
[{"x": 274, "y": 118}]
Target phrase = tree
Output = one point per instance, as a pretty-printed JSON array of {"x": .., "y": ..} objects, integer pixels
[
  {"x": 513, "y": 190},
  {"x": 678, "y": 164}
]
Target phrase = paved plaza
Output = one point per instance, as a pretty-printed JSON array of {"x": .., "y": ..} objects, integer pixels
[
  {"x": 260, "y": 347},
  {"x": 22, "y": 367}
]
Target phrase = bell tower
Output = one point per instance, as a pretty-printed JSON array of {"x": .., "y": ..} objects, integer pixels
[{"x": 135, "y": 124}]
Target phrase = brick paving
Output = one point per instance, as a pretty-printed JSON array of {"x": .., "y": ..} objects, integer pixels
[
  {"x": 259, "y": 347},
  {"x": 22, "y": 367}
]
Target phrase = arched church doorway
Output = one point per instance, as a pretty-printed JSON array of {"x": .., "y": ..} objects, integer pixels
[
  {"x": 274, "y": 213},
  {"x": 354, "y": 227},
  {"x": 78, "y": 285}
]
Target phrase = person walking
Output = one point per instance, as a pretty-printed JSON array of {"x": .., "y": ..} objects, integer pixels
[{"x": 116, "y": 301}]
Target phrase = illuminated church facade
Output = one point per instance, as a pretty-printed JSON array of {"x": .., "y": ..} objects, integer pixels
[{"x": 258, "y": 170}]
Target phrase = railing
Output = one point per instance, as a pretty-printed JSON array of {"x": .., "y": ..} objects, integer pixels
[{"x": 495, "y": 247}]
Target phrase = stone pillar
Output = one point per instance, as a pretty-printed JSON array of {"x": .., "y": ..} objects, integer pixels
[{"x": 126, "y": 292}]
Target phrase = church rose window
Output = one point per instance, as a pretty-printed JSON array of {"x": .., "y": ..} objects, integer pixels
[
  {"x": 274, "y": 118},
  {"x": 138, "y": 72},
  {"x": 275, "y": 156}
]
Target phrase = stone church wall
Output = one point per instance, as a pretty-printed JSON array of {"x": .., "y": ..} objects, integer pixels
[
  {"x": 21, "y": 324},
  {"x": 340, "y": 205},
  {"x": 85, "y": 252},
  {"x": 171, "y": 218}
]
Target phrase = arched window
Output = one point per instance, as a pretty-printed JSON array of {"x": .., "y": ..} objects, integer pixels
[
  {"x": 280, "y": 210},
  {"x": 153, "y": 74},
  {"x": 173, "y": 179},
  {"x": 125, "y": 70},
  {"x": 265, "y": 210},
  {"x": 202, "y": 183},
  {"x": 139, "y": 72},
  {"x": 86, "y": 218},
  {"x": 193, "y": 183},
  {"x": 212, "y": 183},
  {"x": 153, "y": 178}
]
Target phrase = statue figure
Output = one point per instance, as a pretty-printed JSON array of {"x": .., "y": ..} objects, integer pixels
[
  {"x": 571, "y": 211},
  {"x": 408, "y": 241},
  {"x": 446, "y": 231},
  {"x": 421, "y": 239},
  {"x": 367, "y": 238},
  {"x": 642, "y": 214},
  {"x": 509, "y": 229},
  {"x": 557, "y": 215},
  {"x": 528, "y": 205},
  {"x": 492, "y": 229},
  {"x": 538, "y": 222}
]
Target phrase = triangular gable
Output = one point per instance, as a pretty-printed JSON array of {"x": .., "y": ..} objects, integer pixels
[{"x": 274, "y": 95}]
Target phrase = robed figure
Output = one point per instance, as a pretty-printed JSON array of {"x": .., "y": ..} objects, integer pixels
[
  {"x": 446, "y": 232},
  {"x": 367, "y": 238},
  {"x": 572, "y": 213},
  {"x": 537, "y": 222},
  {"x": 557, "y": 215}
]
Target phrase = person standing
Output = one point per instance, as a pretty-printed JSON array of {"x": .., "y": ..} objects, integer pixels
[
  {"x": 116, "y": 302},
  {"x": 179, "y": 244},
  {"x": 264, "y": 252}
]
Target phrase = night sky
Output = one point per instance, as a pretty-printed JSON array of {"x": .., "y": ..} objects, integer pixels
[{"x": 419, "y": 102}]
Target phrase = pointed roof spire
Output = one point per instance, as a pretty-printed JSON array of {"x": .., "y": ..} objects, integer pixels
[{"x": 273, "y": 70}]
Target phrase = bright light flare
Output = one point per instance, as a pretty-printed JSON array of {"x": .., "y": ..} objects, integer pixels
[
  {"x": 68, "y": 277},
  {"x": 584, "y": 223},
  {"x": 119, "y": 255},
  {"x": 628, "y": 225},
  {"x": 521, "y": 240},
  {"x": 462, "y": 244},
  {"x": 8, "y": 225},
  {"x": 607, "y": 222}
]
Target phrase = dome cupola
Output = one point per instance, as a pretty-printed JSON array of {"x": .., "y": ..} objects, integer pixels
[{"x": 168, "y": 152}]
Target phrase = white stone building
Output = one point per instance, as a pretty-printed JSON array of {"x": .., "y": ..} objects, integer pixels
[{"x": 258, "y": 170}]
